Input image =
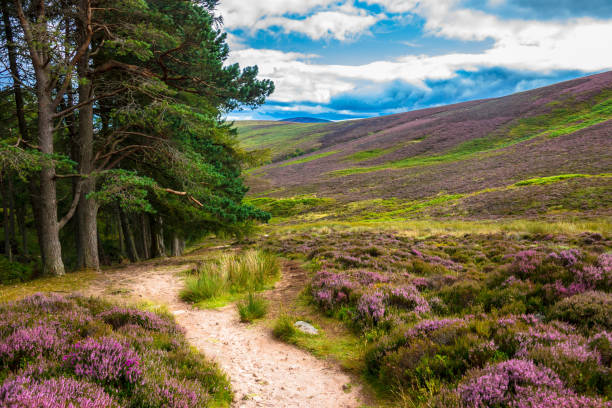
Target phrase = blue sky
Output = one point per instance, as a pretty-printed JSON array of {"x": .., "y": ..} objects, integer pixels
[{"x": 361, "y": 58}]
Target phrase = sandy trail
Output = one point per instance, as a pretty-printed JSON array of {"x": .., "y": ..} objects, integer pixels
[{"x": 264, "y": 372}]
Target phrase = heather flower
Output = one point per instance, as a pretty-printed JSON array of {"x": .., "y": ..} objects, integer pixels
[
  {"x": 54, "y": 393},
  {"x": 372, "y": 305},
  {"x": 605, "y": 262},
  {"x": 409, "y": 296},
  {"x": 173, "y": 393},
  {"x": 572, "y": 350},
  {"x": 44, "y": 303},
  {"x": 546, "y": 398},
  {"x": 368, "y": 278},
  {"x": 425, "y": 327},
  {"x": 525, "y": 262},
  {"x": 32, "y": 342},
  {"x": 568, "y": 257},
  {"x": 105, "y": 360},
  {"x": 118, "y": 317},
  {"x": 498, "y": 384}
]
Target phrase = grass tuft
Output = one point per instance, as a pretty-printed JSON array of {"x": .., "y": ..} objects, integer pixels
[
  {"x": 284, "y": 328},
  {"x": 251, "y": 271},
  {"x": 252, "y": 308}
]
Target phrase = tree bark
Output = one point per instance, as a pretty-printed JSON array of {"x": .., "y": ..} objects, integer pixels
[
  {"x": 8, "y": 250},
  {"x": 87, "y": 210},
  {"x": 50, "y": 246},
  {"x": 23, "y": 231},
  {"x": 177, "y": 249},
  {"x": 158, "y": 247},
  {"x": 146, "y": 236},
  {"x": 128, "y": 234}
]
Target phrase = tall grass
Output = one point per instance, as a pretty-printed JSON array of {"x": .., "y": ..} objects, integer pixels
[
  {"x": 252, "y": 308},
  {"x": 250, "y": 271}
]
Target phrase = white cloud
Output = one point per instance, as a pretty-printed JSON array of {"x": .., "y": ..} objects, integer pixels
[
  {"x": 578, "y": 44},
  {"x": 316, "y": 19}
]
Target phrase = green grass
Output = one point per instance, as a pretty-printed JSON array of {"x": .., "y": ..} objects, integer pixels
[
  {"x": 366, "y": 155},
  {"x": 252, "y": 308},
  {"x": 309, "y": 158},
  {"x": 283, "y": 139},
  {"x": 287, "y": 207},
  {"x": 229, "y": 276},
  {"x": 284, "y": 328},
  {"x": 558, "y": 178}
]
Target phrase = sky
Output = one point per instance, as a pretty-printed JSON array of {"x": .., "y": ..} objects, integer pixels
[{"x": 352, "y": 59}]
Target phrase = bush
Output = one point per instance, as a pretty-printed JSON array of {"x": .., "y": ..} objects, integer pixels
[
  {"x": 461, "y": 295},
  {"x": 15, "y": 272},
  {"x": 587, "y": 310},
  {"x": 253, "y": 307},
  {"x": 284, "y": 328}
]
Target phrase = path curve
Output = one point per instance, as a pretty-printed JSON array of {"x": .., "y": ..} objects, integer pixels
[{"x": 264, "y": 372}]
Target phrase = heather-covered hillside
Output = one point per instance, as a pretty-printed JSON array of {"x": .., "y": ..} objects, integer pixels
[{"x": 537, "y": 152}]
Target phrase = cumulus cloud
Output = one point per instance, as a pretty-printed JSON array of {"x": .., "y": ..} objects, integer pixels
[{"x": 317, "y": 19}]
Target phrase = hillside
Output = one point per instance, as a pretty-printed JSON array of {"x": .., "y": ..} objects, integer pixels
[
  {"x": 305, "y": 120},
  {"x": 543, "y": 152}
]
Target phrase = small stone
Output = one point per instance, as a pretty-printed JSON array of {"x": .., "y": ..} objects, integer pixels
[{"x": 306, "y": 328}]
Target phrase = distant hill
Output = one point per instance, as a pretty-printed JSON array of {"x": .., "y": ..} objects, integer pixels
[
  {"x": 543, "y": 151},
  {"x": 305, "y": 120}
]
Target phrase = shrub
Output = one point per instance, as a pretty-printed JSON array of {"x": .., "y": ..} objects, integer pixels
[
  {"x": 253, "y": 307},
  {"x": 497, "y": 384},
  {"x": 54, "y": 393},
  {"x": 104, "y": 360},
  {"x": 118, "y": 317},
  {"x": 284, "y": 328},
  {"x": 587, "y": 310},
  {"x": 51, "y": 347},
  {"x": 461, "y": 295},
  {"x": 15, "y": 272}
]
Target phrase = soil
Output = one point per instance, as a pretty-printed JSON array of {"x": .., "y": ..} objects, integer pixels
[{"x": 264, "y": 371}]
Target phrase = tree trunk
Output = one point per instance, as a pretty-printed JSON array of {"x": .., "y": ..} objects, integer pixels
[
  {"x": 8, "y": 252},
  {"x": 177, "y": 245},
  {"x": 146, "y": 236},
  {"x": 158, "y": 247},
  {"x": 35, "y": 202},
  {"x": 87, "y": 210},
  {"x": 121, "y": 234},
  {"x": 23, "y": 231},
  {"x": 50, "y": 245},
  {"x": 129, "y": 237}
]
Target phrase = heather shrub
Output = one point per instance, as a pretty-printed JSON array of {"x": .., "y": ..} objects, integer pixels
[
  {"x": 461, "y": 295},
  {"x": 78, "y": 352},
  {"x": 579, "y": 366},
  {"x": 118, "y": 317},
  {"x": 498, "y": 384},
  {"x": 587, "y": 310},
  {"x": 59, "y": 392},
  {"x": 105, "y": 360}
]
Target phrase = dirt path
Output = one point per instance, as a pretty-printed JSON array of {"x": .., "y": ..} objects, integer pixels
[{"x": 264, "y": 372}]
